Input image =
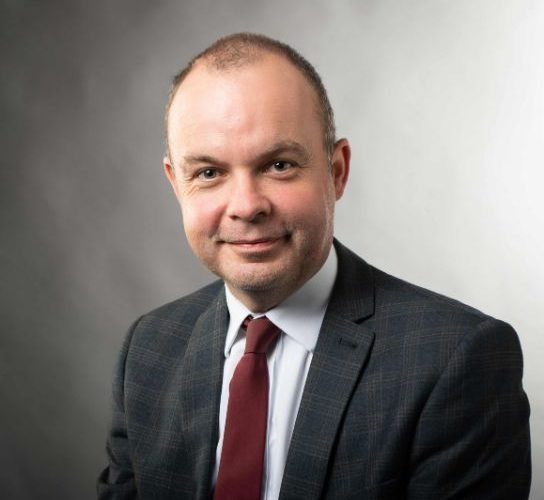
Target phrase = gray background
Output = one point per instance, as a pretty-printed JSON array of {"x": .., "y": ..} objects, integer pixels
[{"x": 443, "y": 102}]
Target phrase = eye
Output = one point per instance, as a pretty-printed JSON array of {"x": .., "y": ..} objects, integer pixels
[
  {"x": 281, "y": 166},
  {"x": 207, "y": 174}
]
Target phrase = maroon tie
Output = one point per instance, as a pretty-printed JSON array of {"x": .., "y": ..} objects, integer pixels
[{"x": 242, "y": 457}]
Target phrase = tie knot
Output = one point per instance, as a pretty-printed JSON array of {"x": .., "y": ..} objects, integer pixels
[{"x": 261, "y": 335}]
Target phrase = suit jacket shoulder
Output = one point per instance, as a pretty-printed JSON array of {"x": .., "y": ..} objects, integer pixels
[
  {"x": 399, "y": 311},
  {"x": 179, "y": 315}
]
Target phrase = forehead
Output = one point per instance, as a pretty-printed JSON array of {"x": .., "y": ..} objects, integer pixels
[{"x": 266, "y": 98}]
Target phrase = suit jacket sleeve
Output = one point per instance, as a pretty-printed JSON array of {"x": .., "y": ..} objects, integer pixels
[
  {"x": 117, "y": 480},
  {"x": 472, "y": 439}
]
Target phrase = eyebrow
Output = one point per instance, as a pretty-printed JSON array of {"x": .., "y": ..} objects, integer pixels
[{"x": 278, "y": 148}]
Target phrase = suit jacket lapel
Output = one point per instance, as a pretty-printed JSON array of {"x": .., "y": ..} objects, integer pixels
[
  {"x": 201, "y": 378},
  {"x": 341, "y": 351}
]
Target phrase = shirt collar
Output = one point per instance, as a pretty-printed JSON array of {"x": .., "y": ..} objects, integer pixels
[{"x": 300, "y": 315}]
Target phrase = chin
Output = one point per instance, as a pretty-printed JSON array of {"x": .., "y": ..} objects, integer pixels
[{"x": 260, "y": 280}]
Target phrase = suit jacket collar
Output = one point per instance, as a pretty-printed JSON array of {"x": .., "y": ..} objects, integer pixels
[
  {"x": 341, "y": 352},
  {"x": 353, "y": 292}
]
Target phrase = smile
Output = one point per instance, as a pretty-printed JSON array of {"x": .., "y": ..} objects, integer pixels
[{"x": 257, "y": 244}]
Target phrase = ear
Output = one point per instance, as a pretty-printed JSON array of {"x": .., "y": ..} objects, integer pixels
[
  {"x": 340, "y": 166},
  {"x": 170, "y": 173}
]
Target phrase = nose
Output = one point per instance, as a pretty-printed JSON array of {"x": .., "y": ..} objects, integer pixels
[{"x": 248, "y": 200}]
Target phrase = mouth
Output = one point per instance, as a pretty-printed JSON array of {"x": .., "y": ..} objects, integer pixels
[{"x": 253, "y": 245}]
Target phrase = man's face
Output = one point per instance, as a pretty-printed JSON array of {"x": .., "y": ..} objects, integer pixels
[{"x": 251, "y": 175}]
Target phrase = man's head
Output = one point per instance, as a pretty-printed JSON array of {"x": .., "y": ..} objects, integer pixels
[{"x": 252, "y": 171}]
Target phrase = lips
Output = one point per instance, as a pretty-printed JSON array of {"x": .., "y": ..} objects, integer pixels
[
  {"x": 254, "y": 246},
  {"x": 253, "y": 241}
]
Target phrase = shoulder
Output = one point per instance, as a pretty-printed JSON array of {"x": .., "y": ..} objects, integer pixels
[
  {"x": 392, "y": 293},
  {"x": 421, "y": 318},
  {"x": 186, "y": 308},
  {"x": 173, "y": 322},
  {"x": 389, "y": 295},
  {"x": 408, "y": 316}
]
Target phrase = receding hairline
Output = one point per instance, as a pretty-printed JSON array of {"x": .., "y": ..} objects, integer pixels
[{"x": 246, "y": 49}]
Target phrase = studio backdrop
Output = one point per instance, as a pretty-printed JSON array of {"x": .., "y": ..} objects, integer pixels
[{"x": 443, "y": 103}]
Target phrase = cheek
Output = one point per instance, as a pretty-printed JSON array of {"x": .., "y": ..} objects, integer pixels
[
  {"x": 307, "y": 204},
  {"x": 200, "y": 216}
]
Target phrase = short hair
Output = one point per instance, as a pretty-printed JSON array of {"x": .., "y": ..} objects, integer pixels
[{"x": 241, "y": 49}]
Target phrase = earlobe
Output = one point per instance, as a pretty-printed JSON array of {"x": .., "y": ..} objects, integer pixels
[{"x": 340, "y": 162}]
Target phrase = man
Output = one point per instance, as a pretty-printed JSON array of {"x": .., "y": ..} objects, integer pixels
[{"x": 368, "y": 388}]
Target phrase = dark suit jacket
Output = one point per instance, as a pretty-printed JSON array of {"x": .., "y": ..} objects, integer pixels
[{"x": 409, "y": 395}]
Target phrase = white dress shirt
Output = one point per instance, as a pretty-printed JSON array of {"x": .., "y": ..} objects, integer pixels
[{"x": 299, "y": 318}]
